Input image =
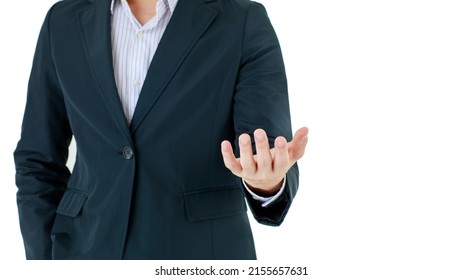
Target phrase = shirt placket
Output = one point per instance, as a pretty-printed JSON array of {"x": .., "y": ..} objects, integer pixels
[
  {"x": 139, "y": 54},
  {"x": 138, "y": 58}
]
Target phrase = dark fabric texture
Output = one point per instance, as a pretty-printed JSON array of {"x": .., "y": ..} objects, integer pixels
[{"x": 157, "y": 188}]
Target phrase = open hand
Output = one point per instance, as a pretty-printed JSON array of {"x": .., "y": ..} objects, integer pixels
[{"x": 264, "y": 172}]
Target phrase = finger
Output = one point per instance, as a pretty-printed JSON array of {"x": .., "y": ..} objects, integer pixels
[
  {"x": 298, "y": 144},
  {"x": 229, "y": 159},
  {"x": 264, "y": 159},
  {"x": 301, "y": 134},
  {"x": 281, "y": 155},
  {"x": 246, "y": 159}
]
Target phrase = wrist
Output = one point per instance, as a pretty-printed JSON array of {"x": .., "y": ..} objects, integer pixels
[{"x": 265, "y": 189}]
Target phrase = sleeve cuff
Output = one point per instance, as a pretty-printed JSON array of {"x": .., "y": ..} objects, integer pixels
[{"x": 265, "y": 200}]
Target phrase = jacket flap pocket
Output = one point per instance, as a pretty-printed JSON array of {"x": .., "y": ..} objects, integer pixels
[
  {"x": 71, "y": 203},
  {"x": 214, "y": 203}
]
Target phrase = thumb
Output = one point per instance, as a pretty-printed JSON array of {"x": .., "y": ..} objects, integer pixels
[{"x": 298, "y": 144}]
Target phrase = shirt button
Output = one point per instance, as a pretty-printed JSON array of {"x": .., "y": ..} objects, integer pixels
[
  {"x": 137, "y": 82},
  {"x": 128, "y": 153},
  {"x": 139, "y": 34}
]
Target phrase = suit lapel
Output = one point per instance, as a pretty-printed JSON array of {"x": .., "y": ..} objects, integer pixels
[
  {"x": 95, "y": 24},
  {"x": 189, "y": 21}
]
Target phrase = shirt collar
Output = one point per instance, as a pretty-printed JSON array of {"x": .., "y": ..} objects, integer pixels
[{"x": 171, "y": 4}]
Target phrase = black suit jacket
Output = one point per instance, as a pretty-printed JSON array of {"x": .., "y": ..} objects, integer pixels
[{"x": 157, "y": 188}]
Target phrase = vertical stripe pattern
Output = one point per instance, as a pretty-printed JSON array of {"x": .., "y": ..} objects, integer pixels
[{"x": 133, "y": 47}]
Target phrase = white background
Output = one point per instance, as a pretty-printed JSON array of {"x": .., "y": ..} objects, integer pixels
[{"x": 379, "y": 84}]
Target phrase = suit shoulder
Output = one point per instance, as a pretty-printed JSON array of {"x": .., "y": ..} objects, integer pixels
[
  {"x": 237, "y": 10},
  {"x": 239, "y": 3},
  {"x": 67, "y": 9},
  {"x": 238, "y": 6}
]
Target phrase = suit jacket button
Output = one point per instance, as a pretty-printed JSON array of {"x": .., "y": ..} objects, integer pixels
[{"x": 128, "y": 153}]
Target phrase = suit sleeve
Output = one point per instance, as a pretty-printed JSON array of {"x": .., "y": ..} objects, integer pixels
[
  {"x": 261, "y": 101},
  {"x": 42, "y": 151}
]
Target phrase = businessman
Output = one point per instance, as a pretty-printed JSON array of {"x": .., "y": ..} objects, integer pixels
[{"x": 154, "y": 93}]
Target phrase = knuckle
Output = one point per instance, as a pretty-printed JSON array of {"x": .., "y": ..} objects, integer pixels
[
  {"x": 228, "y": 164},
  {"x": 281, "y": 163},
  {"x": 264, "y": 161},
  {"x": 247, "y": 167}
]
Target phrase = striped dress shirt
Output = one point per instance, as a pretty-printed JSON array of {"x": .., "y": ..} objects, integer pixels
[{"x": 133, "y": 47}]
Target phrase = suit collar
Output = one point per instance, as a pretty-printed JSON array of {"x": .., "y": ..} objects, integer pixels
[
  {"x": 189, "y": 21},
  {"x": 95, "y": 25}
]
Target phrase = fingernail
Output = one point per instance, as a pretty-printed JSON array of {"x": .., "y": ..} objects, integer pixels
[
  {"x": 224, "y": 147},
  {"x": 243, "y": 140},
  {"x": 280, "y": 143},
  {"x": 258, "y": 136}
]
